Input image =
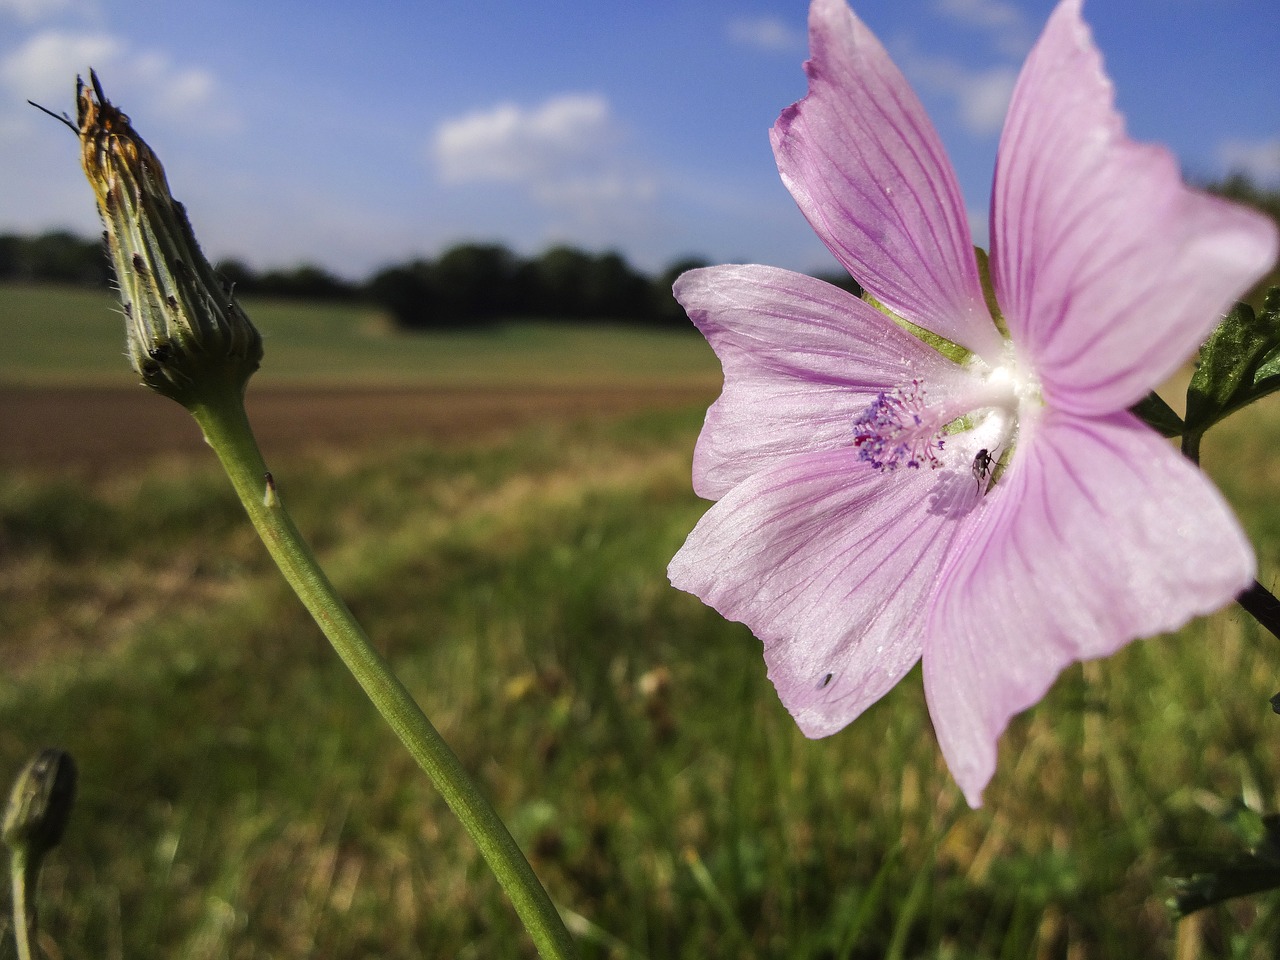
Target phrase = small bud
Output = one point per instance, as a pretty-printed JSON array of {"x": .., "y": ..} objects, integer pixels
[
  {"x": 40, "y": 804},
  {"x": 186, "y": 332}
]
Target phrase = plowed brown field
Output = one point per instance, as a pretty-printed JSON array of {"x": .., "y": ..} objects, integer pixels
[{"x": 95, "y": 428}]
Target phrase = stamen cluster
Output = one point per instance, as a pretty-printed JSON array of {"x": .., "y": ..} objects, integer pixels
[{"x": 895, "y": 431}]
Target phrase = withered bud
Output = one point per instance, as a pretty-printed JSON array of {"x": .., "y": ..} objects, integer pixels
[
  {"x": 186, "y": 332},
  {"x": 40, "y": 804}
]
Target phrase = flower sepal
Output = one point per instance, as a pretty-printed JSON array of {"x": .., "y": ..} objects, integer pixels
[
  {"x": 948, "y": 348},
  {"x": 989, "y": 291}
]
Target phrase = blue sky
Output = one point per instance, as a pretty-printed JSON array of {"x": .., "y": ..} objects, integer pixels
[{"x": 353, "y": 136}]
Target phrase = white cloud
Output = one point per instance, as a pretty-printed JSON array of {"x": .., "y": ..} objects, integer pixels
[
  {"x": 42, "y": 160},
  {"x": 512, "y": 144},
  {"x": 1005, "y": 22},
  {"x": 981, "y": 96},
  {"x": 984, "y": 98},
  {"x": 991, "y": 14},
  {"x": 44, "y": 67},
  {"x": 567, "y": 165},
  {"x": 563, "y": 153},
  {"x": 1259, "y": 159},
  {"x": 178, "y": 92},
  {"x": 766, "y": 33},
  {"x": 29, "y": 11}
]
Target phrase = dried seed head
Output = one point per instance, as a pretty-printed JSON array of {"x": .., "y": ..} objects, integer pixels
[{"x": 186, "y": 333}]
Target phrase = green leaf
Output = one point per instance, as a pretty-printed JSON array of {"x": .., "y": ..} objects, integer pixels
[
  {"x": 1239, "y": 363},
  {"x": 1270, "y": 366},
  {"x": 1244, "y": 877},
  {"x": 1237, "y": 873},
  {"x": 1155, "y": 413}
]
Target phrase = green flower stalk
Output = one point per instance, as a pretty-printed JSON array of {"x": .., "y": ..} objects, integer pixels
[{"x": 191, "y": 341}]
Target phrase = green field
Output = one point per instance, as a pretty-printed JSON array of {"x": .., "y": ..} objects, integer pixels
[
  {"x": 56, "y": 335},
  {"x": 240, "y": 799}
]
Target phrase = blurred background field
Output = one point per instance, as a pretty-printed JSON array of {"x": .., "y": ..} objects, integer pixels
[
  {"x": 56, "y": 335},
  {"x": 240, "y": 799}
]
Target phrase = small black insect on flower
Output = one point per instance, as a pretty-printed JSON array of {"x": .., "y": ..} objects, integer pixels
[{"x": 983, "y": 464}]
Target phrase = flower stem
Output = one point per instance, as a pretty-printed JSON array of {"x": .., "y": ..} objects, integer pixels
[
  {"x": 23, "y": 916},
  {"x": 1263, "y": 605},
  {"x": 1257, "y": 601},
  {"x": 222, "y": 417},
  {"x": 1191, "y": 445}
]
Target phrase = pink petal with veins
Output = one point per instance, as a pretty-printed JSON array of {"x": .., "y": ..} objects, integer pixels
[
  {"x": 865, "y": 165},
  {"x": 841, "y": 556},
  {"x": 801, "y": 359},
  {"x": 832, "y": 565},
  {"x": 1108, "y": 269},
  {"x": 1102, "y": 533}
]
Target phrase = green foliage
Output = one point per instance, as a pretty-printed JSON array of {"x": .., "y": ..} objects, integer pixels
[
  {"x": 239, "y": 798},
  {"x": 477, "y": 284},
  {"x": 1253, "y": 868},
  {"x": 1240, "y": 363},
  {"x": 54, "y": 257},
  {"x": 469, "y": 284}
]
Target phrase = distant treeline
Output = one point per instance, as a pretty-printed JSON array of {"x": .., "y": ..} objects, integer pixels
[
  {"x": 466, "y": 285},
  {"x": 469, "y": 284},
  {"x": 475, "y": 283},
  {"x": 1242, "y": 189},
  {"x": 56, "y": 257}
]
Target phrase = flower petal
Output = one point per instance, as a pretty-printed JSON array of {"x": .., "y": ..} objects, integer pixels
[
  {"x": 801, "y": 359},
  {"x": 831, "y": 564},
  {"x": 1108, "y": 269},
  {"x": 865, "y": 165},
  {"x": 1103, "y": 534}
]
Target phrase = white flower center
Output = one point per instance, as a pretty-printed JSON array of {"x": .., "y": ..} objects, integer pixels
[
  {"x": 975, "y": 428},
  {"x": 1005, "y": 395}
]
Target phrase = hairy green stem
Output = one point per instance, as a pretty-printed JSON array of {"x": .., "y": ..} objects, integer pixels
[
  {"x": 226, "y": 427},
  {"x": 24, "y": 926}
]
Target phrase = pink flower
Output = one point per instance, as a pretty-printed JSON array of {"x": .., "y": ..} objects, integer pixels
[{"x": 1000, "y": 516}]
